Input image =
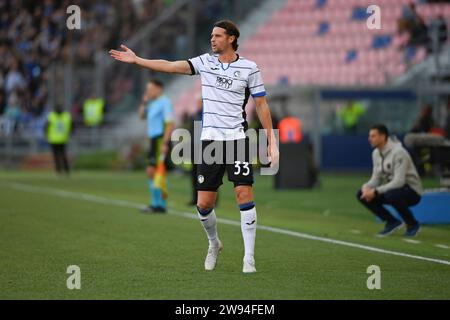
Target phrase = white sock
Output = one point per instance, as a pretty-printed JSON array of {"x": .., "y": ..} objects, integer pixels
[
  {"x": 248, "y": 227},
  {"x": 209, "y": 223}
]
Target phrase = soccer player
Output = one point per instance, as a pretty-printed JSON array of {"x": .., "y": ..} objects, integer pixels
[
  {"x": 228, "y": 80},
  {"x": 157, "y": 110}
]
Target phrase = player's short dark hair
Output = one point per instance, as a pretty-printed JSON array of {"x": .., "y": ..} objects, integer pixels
[
  {"x": 231, "y": 30},
  {"x": 157, "y": 82},
  {"x": 381, "y": 128}
]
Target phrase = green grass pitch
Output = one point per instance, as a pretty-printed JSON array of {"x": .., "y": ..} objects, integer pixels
[{"x": 90, "y": 220}]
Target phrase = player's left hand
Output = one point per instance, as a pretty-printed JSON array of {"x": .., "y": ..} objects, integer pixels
[
  {"x": 273, "y": 154},
  {"x": 127, "y": 55}
]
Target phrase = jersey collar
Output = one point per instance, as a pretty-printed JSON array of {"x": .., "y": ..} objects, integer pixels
[{"x": 229, "y": 64}]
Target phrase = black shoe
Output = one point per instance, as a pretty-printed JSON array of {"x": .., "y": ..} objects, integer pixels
[
  {"x": 159, "y": 210},
  {"x": 147, "y": 209},
  {"x": 411, "y": 231},
  {"x": 390, "y": 228}
]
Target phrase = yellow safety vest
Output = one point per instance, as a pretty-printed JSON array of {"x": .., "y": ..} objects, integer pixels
[
  {"x": 93, "y": 111},
  {"x": 350, "y": 116},
  {"x": 59, "y": 126}
]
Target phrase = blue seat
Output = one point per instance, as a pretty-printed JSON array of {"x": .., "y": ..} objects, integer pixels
[
  {"x": 410, "y": 53},
  {"x": 360, "y": 13},
  {"x": 320, "y": 3},
  {"x": 381, "y": 41},
  {"x": 323, "y": 28},
  {"x": 351, "y": 55}
]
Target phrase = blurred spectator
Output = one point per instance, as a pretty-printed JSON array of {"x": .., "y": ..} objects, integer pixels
[
  {"x": 420, "y": 139},
  {"x": 2, "y": 80},
  {"x": 2, "y": 101},
  {"x": 34, "y": 37},
  {"x": 425, "y": 121},
  {"x": 14, "y": 79},
  {"x": 13, "y": 111},
  {"x": 93, "y": 110},
  {"x": 414, "y": 25},
  {"x": 439, "y": 30},
  {"x": 57, "y": 130},
  {"x": 443, "y": 29},
  {"x": 350, "y": 115}
]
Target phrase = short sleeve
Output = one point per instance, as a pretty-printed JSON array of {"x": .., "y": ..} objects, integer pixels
[
  {"x": 168, "y": 112},
  {"x": 197, "y": 64},
  {"x": 256, "y": 83}
]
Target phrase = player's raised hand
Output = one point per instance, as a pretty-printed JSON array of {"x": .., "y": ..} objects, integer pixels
[{"x": 127, "y": 55}]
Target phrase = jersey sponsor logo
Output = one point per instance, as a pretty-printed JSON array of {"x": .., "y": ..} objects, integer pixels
[{"x": 223, "y": 82}]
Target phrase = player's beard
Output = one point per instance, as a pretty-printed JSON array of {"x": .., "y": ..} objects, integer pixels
[
  {"x": 216, "y": 50},
  {"x": 376, "y": 144}
]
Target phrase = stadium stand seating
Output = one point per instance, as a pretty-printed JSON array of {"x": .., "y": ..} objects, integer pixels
[{"x": 327, "y": 42}]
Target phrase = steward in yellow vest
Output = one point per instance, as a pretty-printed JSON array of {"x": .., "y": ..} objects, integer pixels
[
  {"x": 57, "y": 129},
  {"x": 93, "y": 109}
]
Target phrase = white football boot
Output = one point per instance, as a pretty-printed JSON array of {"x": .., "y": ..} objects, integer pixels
[
  {"x": 211, "y": 257},
  {"x": 249, "y": 265}
]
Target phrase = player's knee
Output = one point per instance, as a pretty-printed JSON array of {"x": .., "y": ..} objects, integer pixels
[
  {"x": 205, "y": 204},
  {"x": 206, "y": 200},
  {"x": 244, "y": 195},
  {"x": 204, "y": 212},
  {"x": 391, "y": 197}
]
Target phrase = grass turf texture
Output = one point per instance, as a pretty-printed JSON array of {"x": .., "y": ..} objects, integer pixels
[{"x": 124, "y": 254}]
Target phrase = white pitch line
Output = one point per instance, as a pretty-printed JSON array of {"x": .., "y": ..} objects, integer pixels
[
  {"x": 442, "y": 246},
  {"x": 127, "y": 204},
  {"x": 412, "y": 241}
]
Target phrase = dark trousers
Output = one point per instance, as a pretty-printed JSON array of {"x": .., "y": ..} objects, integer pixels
[
  {"x": 401, "y": 199},
  {"x": 60, "y": 157}
]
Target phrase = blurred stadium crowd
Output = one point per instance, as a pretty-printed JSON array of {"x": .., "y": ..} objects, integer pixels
[
  {"x": 306, "y": 42},
  {"x": 33, "y": 35},
  {"x": 328, "y": 43}
]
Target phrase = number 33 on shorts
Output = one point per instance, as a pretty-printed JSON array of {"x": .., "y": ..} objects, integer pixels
[{"x": 241, "y": 166}]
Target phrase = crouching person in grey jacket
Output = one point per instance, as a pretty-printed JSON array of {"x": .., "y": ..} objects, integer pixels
[{"x": 394, "y": 181}]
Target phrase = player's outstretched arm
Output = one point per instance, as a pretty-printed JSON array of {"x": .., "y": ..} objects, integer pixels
[{"x": 128, "y": 56}]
